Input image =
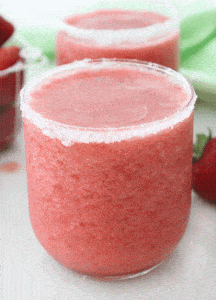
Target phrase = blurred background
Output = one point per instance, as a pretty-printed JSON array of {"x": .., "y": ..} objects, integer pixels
[
  {"x": 26, "y": 12},
  {"x": 55, "y": 8}
]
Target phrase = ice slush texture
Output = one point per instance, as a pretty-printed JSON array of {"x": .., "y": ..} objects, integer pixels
[
  {"x": 110, "y": 209},
  {"x": 11, "y": 81},
  {"x": 119, "y": 98},
  {"x": 114, "y": 208},
  {"x": 7, "y": 125}
]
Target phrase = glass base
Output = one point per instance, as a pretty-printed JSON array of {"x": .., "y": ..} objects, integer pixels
[{"x": 123, "y": 277}]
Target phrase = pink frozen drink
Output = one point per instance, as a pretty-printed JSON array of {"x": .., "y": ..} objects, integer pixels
[
  {"x": 109, "y": 157},
  {"x": 119, "y": 33}
]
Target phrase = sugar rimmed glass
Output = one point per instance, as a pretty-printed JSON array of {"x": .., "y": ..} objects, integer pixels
[
  {"x": 82, "y": 212},
  {"x": 11, "y": 82},
  {"x": 158, "y": 43}
]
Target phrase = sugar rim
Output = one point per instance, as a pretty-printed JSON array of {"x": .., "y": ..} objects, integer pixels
[
  {"x": 107, "y": 37},
  {"x": 69, "y": 134}
]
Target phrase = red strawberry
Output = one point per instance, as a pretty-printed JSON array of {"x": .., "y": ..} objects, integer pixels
[
  {"x": 204, "y": 167},
  {"x": 9, "y": 56},
  {"x": 6, "y": 30}
]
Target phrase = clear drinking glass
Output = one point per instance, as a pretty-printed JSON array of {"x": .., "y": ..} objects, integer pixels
[
  {"x": 11, "y": 82},
  {"x": 143, "y": 30},
  {"x": 107, "y": 201}
]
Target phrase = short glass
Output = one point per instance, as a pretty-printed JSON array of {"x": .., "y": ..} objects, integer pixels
[
  {"x": 11, "y": 82},
  {"x": 157, "y": 43},
  {"x": 109, "y": 202}
]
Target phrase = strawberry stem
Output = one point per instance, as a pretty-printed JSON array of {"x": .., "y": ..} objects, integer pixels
[{"x": 198, "y": 147}]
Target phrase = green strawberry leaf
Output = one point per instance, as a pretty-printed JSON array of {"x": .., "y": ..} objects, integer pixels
[{"x": 198, "y": 147}]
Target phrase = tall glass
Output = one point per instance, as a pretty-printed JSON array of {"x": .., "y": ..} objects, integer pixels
[
  {"x": 109, "y": 201},
  {"x": 148, "y": 31}
]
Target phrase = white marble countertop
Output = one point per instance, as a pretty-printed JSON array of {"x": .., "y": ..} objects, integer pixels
[{"x": 29, "y": 273}]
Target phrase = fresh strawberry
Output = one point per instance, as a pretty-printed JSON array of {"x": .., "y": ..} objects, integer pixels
[
  {"x": 9, "y": 56},
  {"x": 6, "y": 30},
  {"x": 204, "y": 167}
]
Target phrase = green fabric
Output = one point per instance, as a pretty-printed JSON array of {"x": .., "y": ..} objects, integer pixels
[
  {"x": 196, "y": 31},
  {"x": 203, "y": 61},
  {"x": 198, "y": 53},
  {"x": 41, "y": 36}
]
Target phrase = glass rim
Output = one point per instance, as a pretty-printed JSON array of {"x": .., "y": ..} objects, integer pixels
[
  {"x": 111, "y": 36},
  {"x": 28, "y": 55},
  {"x": 18, "y": 66},
  {"x": 68, "y": 132}
]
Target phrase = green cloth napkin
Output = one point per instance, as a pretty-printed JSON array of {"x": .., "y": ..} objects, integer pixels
[
  {"x": 40, "y": 35},
  {"x": 198, "y": 53}
]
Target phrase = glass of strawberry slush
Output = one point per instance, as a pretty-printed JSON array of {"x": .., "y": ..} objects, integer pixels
[
  {"x": 11, "y": 81},
  {"x": 16, "y": 66},
  {"x": 109, "y": 158},
  {"x": 143, "y": 30}
]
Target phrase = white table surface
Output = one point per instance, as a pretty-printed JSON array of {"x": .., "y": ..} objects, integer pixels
[{"x": 29, "y": 273}]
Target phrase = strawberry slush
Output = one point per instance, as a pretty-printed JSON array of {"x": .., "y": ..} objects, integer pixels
[
  {"x": 125, "y": 34},
  {"x": 11, "y": 82},
  {"x": 109, "y": 157}
]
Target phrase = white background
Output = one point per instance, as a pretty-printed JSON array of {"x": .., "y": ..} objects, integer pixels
[{"x": 25, "y": 10}]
